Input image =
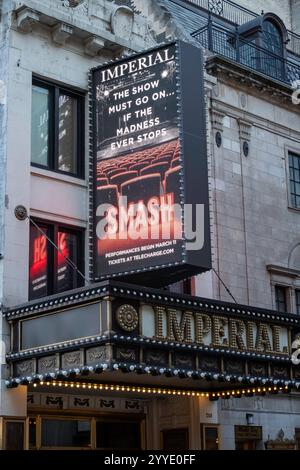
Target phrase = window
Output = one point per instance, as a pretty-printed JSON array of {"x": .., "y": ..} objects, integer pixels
[
  {"x": 175, "y": 439},
  {"x": 66, "y": 433},
  {"x": 247, "y": 437},
  {"x": 211, "y": 437},
  {"x": 182, "y": 287},
  {"x": 261, "y": 46},
  {"x": 118, "y": 435},
  {"x": 272, "y": 38},
  {"x": 81, "y": 432},
  {"x": 49, "y": 272},
  {"x": 297, "y": 438},
  {"x": 271, "y": 62},
  {"x": 281, "y": 300},
  {"x": 297, "y": 298},
  {"x": 32, "y": 433},
  {"x": 294, "y": 175},
  {"x": 287, "y": 292},
  {"x": 57, "y": 129},
  {"x": 14, "y": 435}
]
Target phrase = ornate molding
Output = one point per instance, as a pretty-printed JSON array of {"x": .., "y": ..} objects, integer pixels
[
  {"x": 69, "y": 402},
  {"x": 217, "y": 120},
  {"x": 95, "y": 355},
  {"x": 280, "y": 372},
  {"x": 81, "y": 402},
  {"x": 121, "y": 21},
  {"x": 26, "y": 18},
  {"x": 245, "y": 130},
  {"x": 48, "y": 363},
  {"x": 80, "y": 6},
  {"x": 127, "y": 317},
  {"x": 93, "y": 45},
  {"x": 57, "y": 401},
  {"x": 229, "y": 71},
  {"x": 234, "y": 367},
  {"x": 129, "y": 3},
  {"x": 258, "y": 369},
  {"x": 72, "y": 359},
  {"x": 152, "y": 356},
  {"x": 82, "y": 20},
  {"x": 61, "y": 33},
  {"x": 185, "y": 361},
  {"x": 126, "y": 354},
  {"x": 25, "y": 367},
  {"x": 280, "y": 443},
  {"x": 283, "y": 271}
]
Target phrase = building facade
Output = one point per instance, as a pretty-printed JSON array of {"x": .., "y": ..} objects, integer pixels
[{"x": 164, "y": 385}]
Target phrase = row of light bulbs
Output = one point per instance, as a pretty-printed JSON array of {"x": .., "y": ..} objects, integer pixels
[{"x": 162, "y": 391}]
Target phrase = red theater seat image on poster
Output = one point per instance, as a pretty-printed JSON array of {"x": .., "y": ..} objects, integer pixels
[
  {"x": 160, "y": 168},
  {"x": 107, "y": 194},
  {"x": 147, "y": 188},
  {"x": 124, "y": 176},
  {"x": 141, "y": 188}
]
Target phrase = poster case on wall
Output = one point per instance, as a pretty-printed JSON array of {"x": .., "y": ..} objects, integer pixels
[{"x": 149, "y": 214}]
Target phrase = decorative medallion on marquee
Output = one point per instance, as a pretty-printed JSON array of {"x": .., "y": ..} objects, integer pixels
[{"x": 127, "y": 317}]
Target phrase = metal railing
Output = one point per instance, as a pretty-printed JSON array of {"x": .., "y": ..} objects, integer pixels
[
  {"x": 239, "y": 15},
  {"x": 234, "y": 47},
  {"x": 227, "y": 9}
]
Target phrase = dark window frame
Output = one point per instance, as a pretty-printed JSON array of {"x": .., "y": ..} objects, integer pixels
[
  {"x": 77, "y": 419},
  {"x": 268, "y": 34},
  {"x": 118, "y": 419},
  {"x": 279, "y": 288},
  {"x": 168, "y": 435},
  {"x": 297, "y": 302},
  {"x": 8, "y": 421},
  {"x": 203, "y": 428},
  {"x": 53, "y": 144},
  {"x": 293, "y": 195},
  {"x": 297, "y": 438},
  {"x": 53, "y": 229},
  {"x": 36, "y": 443},
  {"x": 185, "y": 287}
]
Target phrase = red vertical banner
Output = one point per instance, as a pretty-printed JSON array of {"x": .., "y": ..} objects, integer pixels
[{"x": 38, "y": 263}]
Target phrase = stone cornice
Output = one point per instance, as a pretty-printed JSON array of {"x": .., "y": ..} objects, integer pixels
[
  {"x": 232, "y": 72},
  {"x": 96, "y": 27},
  {"x": 283, "y": 271},
  {"x": 257, "y": 120}
]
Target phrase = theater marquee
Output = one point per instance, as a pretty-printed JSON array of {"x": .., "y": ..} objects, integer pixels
[
  {"x": 150, "y": 172},
  {"x": 113, "y": 327},
  {"x": 204, "y": 329}
]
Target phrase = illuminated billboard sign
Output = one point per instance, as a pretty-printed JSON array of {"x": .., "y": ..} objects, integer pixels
[{"x": 150, "y": 207}]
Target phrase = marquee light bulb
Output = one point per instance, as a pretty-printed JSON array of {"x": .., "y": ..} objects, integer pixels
[{"x": 160, "y": 391}]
